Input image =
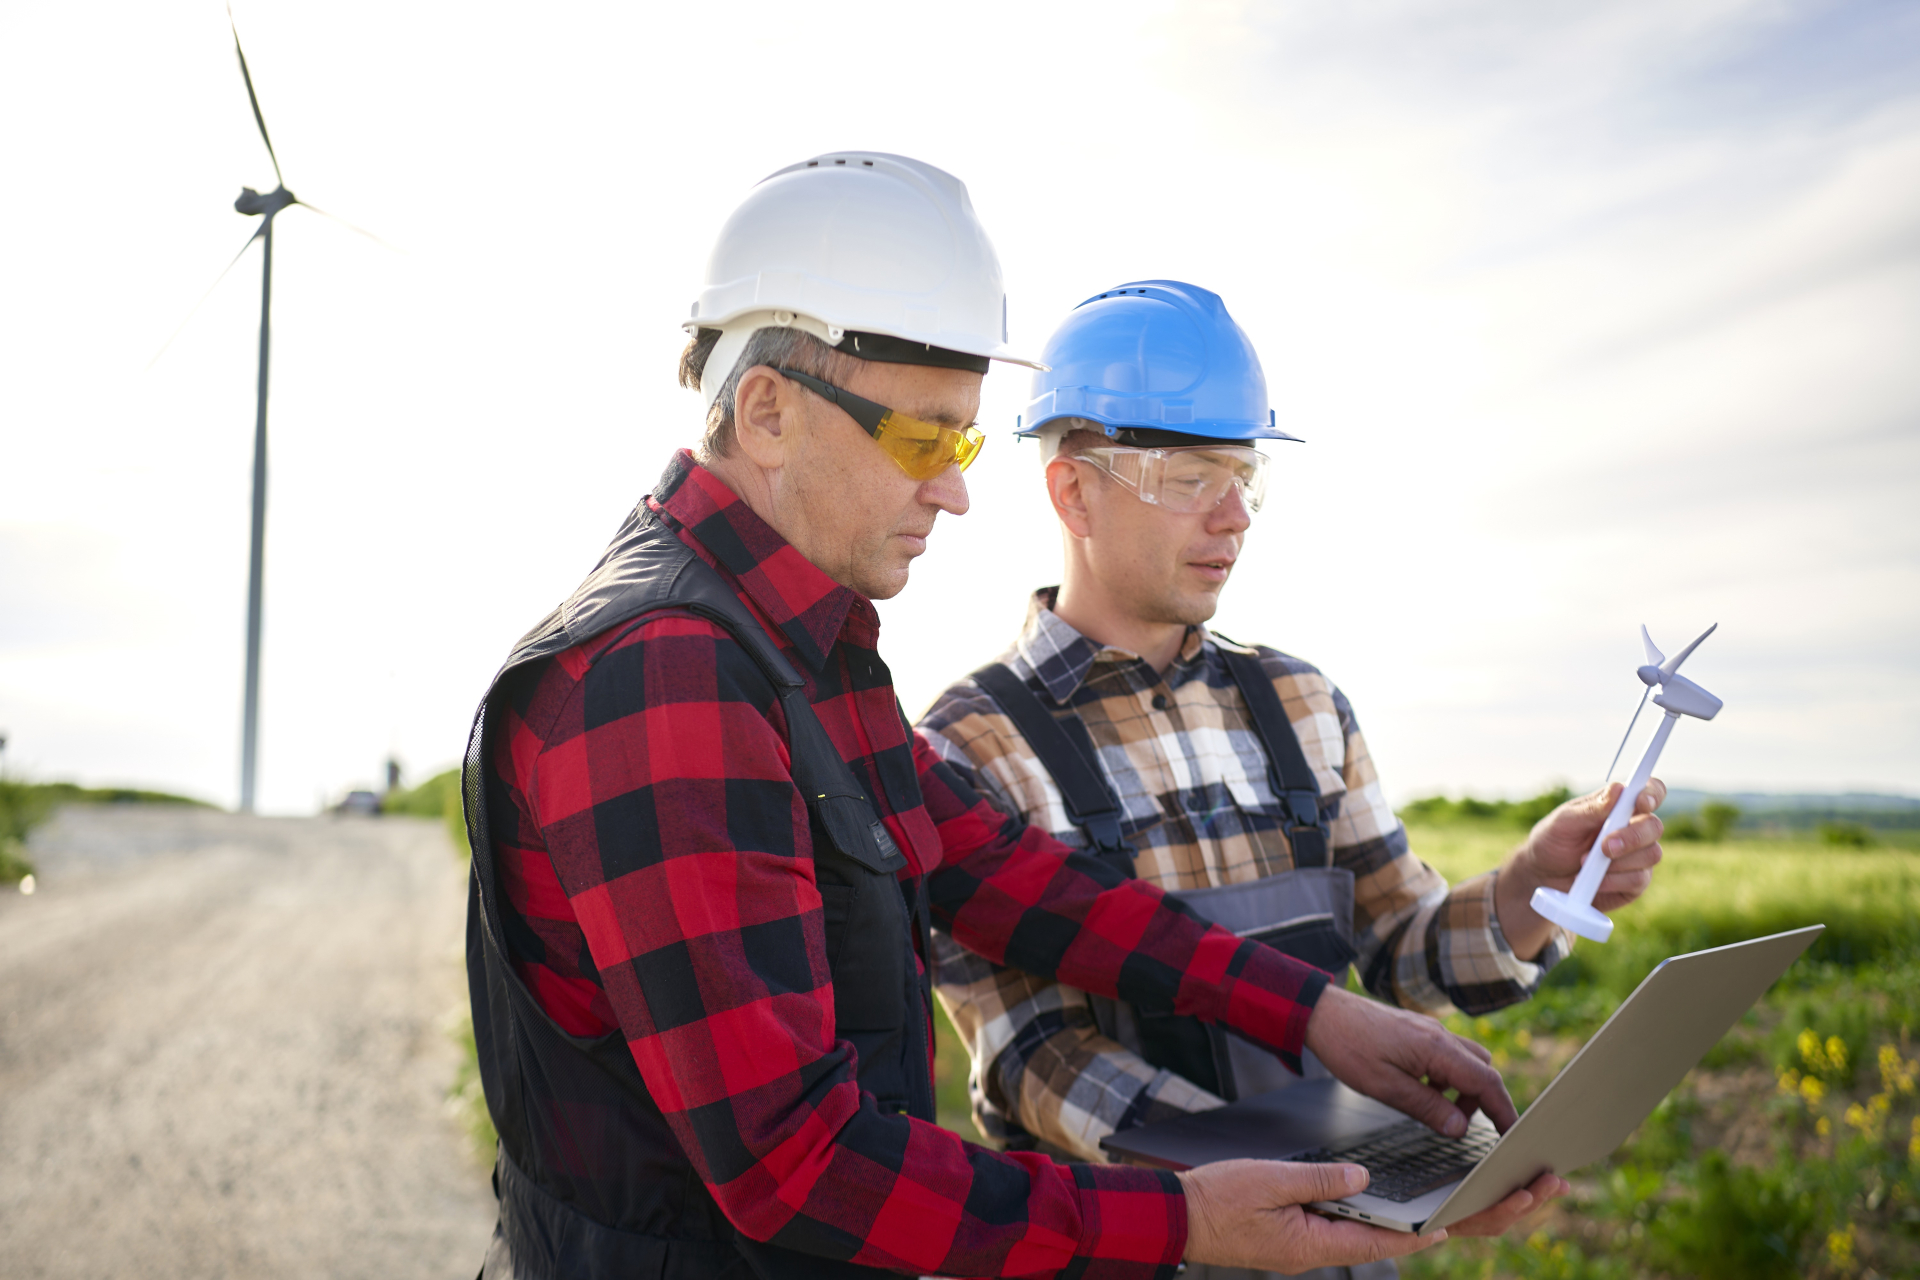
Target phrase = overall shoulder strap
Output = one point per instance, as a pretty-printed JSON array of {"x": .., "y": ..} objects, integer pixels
[
  {"x": 1066, "y": 752},
  {"x": 1287, "y": 770}
]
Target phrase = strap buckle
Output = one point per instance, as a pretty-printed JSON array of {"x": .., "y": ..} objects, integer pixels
[{"x": 1303, "y": 807}]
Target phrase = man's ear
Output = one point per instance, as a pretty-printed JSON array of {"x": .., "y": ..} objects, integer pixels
[
  {"x": 765, "y": 417},
  {"x": 1069, "y": 495}
]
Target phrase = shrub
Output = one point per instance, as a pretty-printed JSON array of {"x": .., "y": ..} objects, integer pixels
[
  {"x": 1684, "y": 826},
  {"x": 1717, "y": 818},
  {"x": 437, "y": 797},
  {"x": 1519, "y": 813},
  {"x": 1847, "y": 835},
  {"x": 1742, "y": 1224}
]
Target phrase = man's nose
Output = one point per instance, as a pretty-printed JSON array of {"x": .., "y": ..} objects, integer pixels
[
  {"x": 1231, "y": 516},
  {"x": 947, "y": 491}
]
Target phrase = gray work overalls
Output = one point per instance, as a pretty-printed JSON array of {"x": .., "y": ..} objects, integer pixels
[{"x": 1306, "y": 912}]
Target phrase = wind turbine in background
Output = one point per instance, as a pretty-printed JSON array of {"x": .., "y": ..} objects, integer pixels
[{"x": 265, "y": 207}]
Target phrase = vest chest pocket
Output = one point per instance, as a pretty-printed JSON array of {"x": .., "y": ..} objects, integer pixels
[{"x": 866, "y": 950}]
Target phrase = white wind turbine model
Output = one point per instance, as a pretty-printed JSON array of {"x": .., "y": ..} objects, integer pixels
[{"x": 1678, "y": 696}]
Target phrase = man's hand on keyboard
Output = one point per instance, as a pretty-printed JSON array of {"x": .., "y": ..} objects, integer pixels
[
  {"x": 1247, "y": 1213},
  {"x": 1497, "y": 1220},
  {"x": 1405, "y": 1060}
]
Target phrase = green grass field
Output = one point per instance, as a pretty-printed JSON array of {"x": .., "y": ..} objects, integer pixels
[{"x": 1794, "y": 1150}]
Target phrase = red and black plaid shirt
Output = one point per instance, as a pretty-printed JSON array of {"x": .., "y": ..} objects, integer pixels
[{"x": 658, "y": 876}]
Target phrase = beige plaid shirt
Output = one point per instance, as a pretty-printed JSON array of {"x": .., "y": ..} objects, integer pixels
[{"x": 1180, "y": 752}]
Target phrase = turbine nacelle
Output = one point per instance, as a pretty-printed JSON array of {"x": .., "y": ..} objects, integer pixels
[
  {"x": 1682, "y": 695},
  {"x": 253, "y": 203},
  {"x": 1678, "y": 695}
]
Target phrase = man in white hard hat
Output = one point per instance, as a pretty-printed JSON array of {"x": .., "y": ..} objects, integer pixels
[
  {"x": 1233, "y": 777},
  {"x": 707, "y": 848}
]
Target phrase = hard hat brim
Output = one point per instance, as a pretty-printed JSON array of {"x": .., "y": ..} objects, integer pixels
[
  {"x": 1140, "y": 412},
  {"x": 958, "y": 343}
]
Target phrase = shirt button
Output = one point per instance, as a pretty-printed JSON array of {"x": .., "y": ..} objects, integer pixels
[{"x": 1160, "y": 702}]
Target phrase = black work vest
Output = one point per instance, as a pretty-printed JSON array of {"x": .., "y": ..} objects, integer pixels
[{"x": 592, "y": 1182}]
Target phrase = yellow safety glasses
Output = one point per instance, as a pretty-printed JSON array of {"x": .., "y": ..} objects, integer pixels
[{"x": 921, "y": 449}]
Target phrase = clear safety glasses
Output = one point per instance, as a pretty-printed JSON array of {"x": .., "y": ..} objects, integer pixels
[
  {"x": 1186, "y": 479},
  {"x": 921, "y": 449}
]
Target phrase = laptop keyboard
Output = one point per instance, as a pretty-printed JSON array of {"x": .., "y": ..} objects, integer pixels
[{"x": 1409, "y": 1159}]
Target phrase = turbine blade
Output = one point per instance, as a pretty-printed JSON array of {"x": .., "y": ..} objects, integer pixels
[
  {"x": 1654, "y": 656},
  {"x": 349, "y": 226},
  {"x": 181, "y": 327},
  {"x": 253, "y": 97},
  {"x": 1628, "y": 734},
  {"x": 1672, "y": 664}
]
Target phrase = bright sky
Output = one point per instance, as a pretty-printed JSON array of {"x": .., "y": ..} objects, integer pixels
[{"x": 1590, "y": 315}]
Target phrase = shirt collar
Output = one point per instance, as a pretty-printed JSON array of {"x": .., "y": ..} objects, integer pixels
[
  {"x": 808, "y": 607},
  {"x": 1062, "y": 657}
]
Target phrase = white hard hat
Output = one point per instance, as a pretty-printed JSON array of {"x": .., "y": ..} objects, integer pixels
[{"x": 852, "y": 246}]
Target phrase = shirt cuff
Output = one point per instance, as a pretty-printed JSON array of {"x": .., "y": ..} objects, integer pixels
[
  {"x": 1525, "y": 974},
  {"x": 1272, "y": 998},
  {"x": 1133, "y": 1222}
]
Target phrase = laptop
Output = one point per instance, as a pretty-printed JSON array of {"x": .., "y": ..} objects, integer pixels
[{"x": 1421, "y": 1180}]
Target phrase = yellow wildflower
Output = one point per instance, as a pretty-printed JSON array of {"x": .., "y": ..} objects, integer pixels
[
  {"x": 1812, "y": 1090},
  {"x": 1823, "y": 1126},
  {"x": 1810, "y": 1050},
  {"x": 1837, "y": 1053},
  {"x": 1840, "y": 1246},
  {"x": 1897, "y": 1074},
  {"x": 1789, "y": 1081},
  {"x": 1913, "y": 1147},
  {"x": 1523, "y": 1038}
]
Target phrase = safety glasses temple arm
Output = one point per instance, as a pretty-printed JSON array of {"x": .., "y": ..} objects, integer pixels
[{"x": 863, "y": 411}]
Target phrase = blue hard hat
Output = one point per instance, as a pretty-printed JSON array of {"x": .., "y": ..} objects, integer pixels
[{"x": 1155, "y": 356}]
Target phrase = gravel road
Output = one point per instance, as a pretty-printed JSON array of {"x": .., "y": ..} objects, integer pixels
[{"x": 223, "y": 1051}]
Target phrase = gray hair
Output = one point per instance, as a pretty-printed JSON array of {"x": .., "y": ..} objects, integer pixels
[{"x": 790, "y": 348}]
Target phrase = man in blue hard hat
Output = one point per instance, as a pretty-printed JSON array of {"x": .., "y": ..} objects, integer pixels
[{"x": 1234, "y": 777}]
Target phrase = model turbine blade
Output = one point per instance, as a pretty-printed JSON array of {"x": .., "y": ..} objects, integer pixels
[
  {"x": 1654, "y": 656},
  {"x": 1615, "y": 762},
  {"x": 1672, "y": 664}
]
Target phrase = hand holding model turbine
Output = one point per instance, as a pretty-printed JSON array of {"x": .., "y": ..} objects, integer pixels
[{"x": 1678, "y": 696}]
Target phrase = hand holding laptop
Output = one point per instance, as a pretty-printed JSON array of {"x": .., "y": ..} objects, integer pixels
[{"x": 1250, "y": 1213}]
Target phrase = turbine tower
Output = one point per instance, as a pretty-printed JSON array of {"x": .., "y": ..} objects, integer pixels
[{"x": 264, "y": 207}]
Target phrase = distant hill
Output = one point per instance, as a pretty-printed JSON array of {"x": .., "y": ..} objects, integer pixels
[{"x": 1804, "y": 811}]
